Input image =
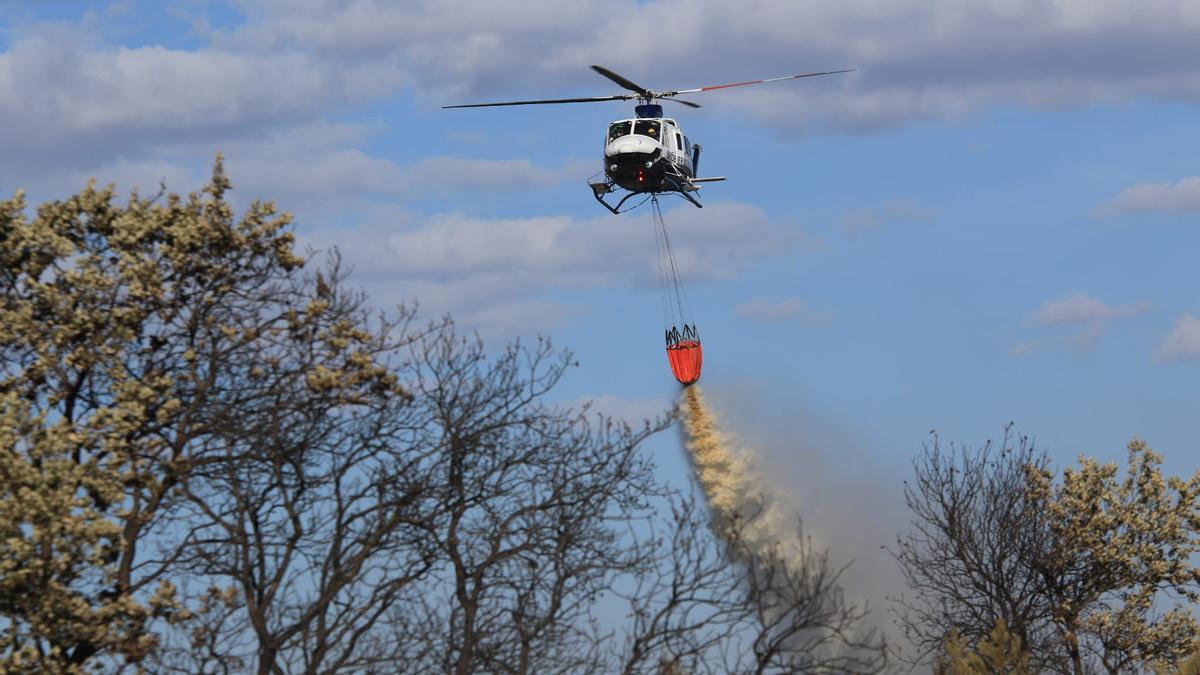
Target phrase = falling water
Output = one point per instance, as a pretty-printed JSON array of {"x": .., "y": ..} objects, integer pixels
[
  {"x": 739, "y": 504},
  {"x": 760, "y": 527}
]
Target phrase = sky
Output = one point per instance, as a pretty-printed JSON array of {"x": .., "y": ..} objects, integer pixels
[{"x": 994, "y": 219}]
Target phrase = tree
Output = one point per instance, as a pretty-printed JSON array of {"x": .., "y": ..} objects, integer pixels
[
  {"x": 730, "y": 604},
  {"x": 682, "y": 616},
  {"x": 999, "y": 652},
  {"x": 532, "y": 517},
  {"x": 1119, "y": 549},
  {"x": 1074, "y": 568},
  {"x": 111, "y": 320},
  {"x": 1187, "y": 666},
  {"x": 310, "y": 512},
  {"x": 216, "y": 459},
  {"x": 967, "y": 562}
]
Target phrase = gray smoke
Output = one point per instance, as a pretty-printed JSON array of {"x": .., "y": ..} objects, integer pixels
[{"x": 745, "y": 448}]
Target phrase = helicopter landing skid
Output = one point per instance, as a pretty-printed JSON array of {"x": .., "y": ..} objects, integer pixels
[
  {"x": 601, "y": 189},
  {"x": 685, "y": 193},
  {"x": 690, "y": 199}
]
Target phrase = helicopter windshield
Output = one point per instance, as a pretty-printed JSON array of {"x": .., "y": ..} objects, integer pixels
[
  {"x": 618, "y": 129},
  {"x": 647, "y": 128}
]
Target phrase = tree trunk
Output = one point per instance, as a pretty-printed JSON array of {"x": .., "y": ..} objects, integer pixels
[
  {"x": 1072, "y": 641},
  {"x": 466, "y": 654},
  {"x": 266, "y": 660}
]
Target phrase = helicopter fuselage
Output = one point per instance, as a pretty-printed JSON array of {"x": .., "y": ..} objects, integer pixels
[{"x": 648, "y": 155}]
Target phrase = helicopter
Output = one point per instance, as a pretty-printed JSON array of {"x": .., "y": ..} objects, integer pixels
[{"x": 648, "y": 154}]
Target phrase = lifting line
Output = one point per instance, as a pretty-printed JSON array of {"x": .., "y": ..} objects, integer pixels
[{"x": 677, "y": 311}]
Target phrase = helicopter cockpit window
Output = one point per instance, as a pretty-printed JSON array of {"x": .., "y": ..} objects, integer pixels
[
  {"x": 647, "y": 128},
  {"x": 618, "y": 129}
]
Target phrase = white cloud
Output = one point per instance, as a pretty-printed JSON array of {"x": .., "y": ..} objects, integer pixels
[
  {"x": 917, "y": 58},
  {"x": 312, "y": 168},
  {"x": 519, "y": 317},
  {"x": 708, "y": 244},
  {"x": 786, "y": 309},
  {"x": 1081, "y": 308},
  {"x": 299, "y": 177},
  {"x": 864, "y": 219},
  {"x": 61, "y": 93},
  {"x": 1183, "y": 342},
  {"x": 69, "y": 100},
  {"x": 143, "y": 175},
  {"x": 440, "y": 173},
  {"x": 1087, "y": 316},
  {"x": 482, "y": 268},
  {"x": 1180, "y": 197}
]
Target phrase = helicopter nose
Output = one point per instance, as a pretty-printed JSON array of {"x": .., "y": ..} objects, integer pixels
[{"x": 630, "y": 144}]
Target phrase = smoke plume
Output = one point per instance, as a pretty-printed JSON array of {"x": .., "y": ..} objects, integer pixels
[
  {"x": 797, "y": 464},
  {"x": 740, "y": 507}
]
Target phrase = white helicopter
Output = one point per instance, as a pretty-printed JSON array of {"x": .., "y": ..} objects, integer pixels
[{"x": 648, "y": 154}]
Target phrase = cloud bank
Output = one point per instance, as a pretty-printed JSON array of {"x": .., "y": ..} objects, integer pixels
[
  {"x": 917, "y": 59},
  {"x": 1182, "y": 344},
  {"x": 478, "y": 267},
  {"x": 64, "y": 89},
  {"x": 1081, "y": 308},
  {"x": 1180, "y": 198},
  {"x": 1086, "y": 316}
]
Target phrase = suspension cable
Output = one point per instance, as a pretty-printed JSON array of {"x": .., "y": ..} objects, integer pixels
[{"x": 676, "y": 301}]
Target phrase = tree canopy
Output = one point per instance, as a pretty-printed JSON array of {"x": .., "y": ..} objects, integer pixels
[
  {"x": 218, "y": 457},
  {"x": 1087, "y": 569}
]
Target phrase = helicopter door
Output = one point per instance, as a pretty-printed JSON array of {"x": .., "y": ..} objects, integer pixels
[{"x": 668, "y": 136}]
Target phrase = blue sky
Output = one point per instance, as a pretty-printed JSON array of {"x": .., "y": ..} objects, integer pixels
[{"x": 995, "y": 219}]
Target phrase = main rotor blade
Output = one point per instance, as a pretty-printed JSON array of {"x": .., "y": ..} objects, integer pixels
[
  {"x": 590, "y": 99},
  {"x": 642, "y": 91},
  {"x": 742, "y": 84},
  {"x": 679, "y": 100}
]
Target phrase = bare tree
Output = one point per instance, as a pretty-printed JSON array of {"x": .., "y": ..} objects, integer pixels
[
  {"x": 465, "y": 526},
  {"x": 802, "y": 621},
  {"x": 682, "y": 613},
  {"x": 238, "y": 469},
  {"x": 1078, "y": 570},
  {"x": 536, "y": 504},
  {"x": 731, "y": 604},
  {"x": 968, "y": 561},
  {"x": 315, "y": 498}
]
